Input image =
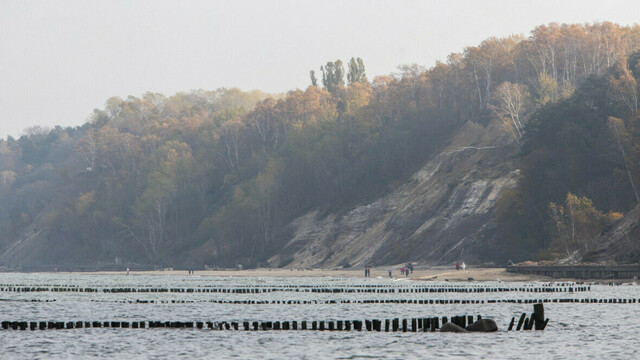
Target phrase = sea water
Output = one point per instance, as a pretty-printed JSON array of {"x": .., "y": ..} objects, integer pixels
[{"x": 575, "y": 330}]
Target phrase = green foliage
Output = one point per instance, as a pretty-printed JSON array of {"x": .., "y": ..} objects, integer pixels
[
  {"x": 314, "y": 80},
  {"x": 577, "y": 223},
  {"x": 356, "y": 71},
  {"x": 634, "y": 64},
  {"x": 574, "y": 146},
  {"x": 333, "y": 76}
]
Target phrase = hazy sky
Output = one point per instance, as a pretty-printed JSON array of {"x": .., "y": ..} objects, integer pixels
[{"x": 61, "y": 59}]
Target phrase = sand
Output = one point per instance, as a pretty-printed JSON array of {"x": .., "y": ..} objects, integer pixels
[{"x": 436, "y": 273}]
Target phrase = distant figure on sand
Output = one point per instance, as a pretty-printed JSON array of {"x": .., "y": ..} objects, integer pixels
[
  {"x": 463, "y": 266},
  {"x": 390, "y": 272},
  {"x": 127, "y": 271},
  {"x": 457, "y": 266}
]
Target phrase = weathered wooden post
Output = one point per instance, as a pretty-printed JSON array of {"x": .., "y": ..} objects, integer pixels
[
  {"x": 520, "y": 321},
  {"x": 377, "y": 325},
  {"x": 538, "y": 316}
]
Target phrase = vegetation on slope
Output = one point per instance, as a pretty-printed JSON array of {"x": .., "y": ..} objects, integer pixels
[{"x": 214, "y": 177}]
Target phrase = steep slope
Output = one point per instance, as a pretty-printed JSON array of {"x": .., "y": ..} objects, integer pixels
[
  {"x": 444, "y": 213},
  {"x": 29, "y": 248},
  {"x": 619, "y": 243}
]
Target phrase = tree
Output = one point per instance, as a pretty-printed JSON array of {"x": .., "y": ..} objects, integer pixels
[
  {"x": 623, "y": 86},
  {"x": 509, "y": 104},
  {"x": 616, "y": 126},
  {"x": 577, "y": 223},
  {"x": 546, "y": 90},
  {"x": 333, "y": 76},
  {"x": 356, "y": 71},
  {"x": 171, "y": 162},
  {"x": 87, "y": 150},
  {"x": 314, "y": 80}
]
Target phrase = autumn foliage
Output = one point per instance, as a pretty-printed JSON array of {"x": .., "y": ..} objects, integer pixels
[{"x": 215, "y": 177}]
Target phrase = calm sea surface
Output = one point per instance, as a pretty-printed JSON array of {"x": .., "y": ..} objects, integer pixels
[{"x": 575, "y": 330}]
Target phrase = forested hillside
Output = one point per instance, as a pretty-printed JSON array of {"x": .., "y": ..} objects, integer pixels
[{"x": 221, "y": 177}]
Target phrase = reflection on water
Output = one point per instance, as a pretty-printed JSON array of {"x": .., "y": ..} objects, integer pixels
[{"x": 576, "y": 330}]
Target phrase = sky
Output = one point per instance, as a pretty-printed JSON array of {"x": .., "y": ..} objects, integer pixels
[{"x": 61, "y": 59}]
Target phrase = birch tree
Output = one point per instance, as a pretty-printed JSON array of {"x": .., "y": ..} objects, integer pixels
[{"x": 510, "y": 104}]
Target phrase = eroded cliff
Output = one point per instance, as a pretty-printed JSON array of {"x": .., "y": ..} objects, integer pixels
[{"x": 444, "y": 213}]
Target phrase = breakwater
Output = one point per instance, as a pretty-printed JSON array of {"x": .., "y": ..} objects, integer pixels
[
  {"x": 423, "y": 324},
  {"x": 377, "y": 289},
  {"x": 603, "y": 272}
]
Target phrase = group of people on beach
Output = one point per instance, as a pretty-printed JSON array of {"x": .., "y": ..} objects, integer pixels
[
  {"x": 462, "y": 266},
  {"x": 405, "y": 270}
]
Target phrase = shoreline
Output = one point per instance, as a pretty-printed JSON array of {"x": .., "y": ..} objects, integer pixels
[{"x": 436, "y": 273}]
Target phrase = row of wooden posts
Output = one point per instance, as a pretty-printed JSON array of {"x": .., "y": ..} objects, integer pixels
[
  {"x": 312, "y": 290},
  {"x": 367, "y": 285},
  {"x": 386, "y": 325},
  {"x": 365, "y": 301}
]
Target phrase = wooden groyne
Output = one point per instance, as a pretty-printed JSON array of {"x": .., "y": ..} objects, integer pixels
[
  {"x": 422, "y": 324},
  {"x": 356, "y": 302},
  {"x": 459, "y": 289},
  {"x": 418, "y": 324},
  {"x": 605, "y": 272}
]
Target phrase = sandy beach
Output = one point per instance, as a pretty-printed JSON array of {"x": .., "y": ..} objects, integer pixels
[{"x": 436, "y": 273}]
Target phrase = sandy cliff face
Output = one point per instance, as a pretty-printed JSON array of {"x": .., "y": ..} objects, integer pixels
[{"x": 445, "y": 213}]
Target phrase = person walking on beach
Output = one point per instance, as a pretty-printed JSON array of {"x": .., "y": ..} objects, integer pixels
[
  {"x": 390, "y": 273},
  {"x": 463, "y": 266}
]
